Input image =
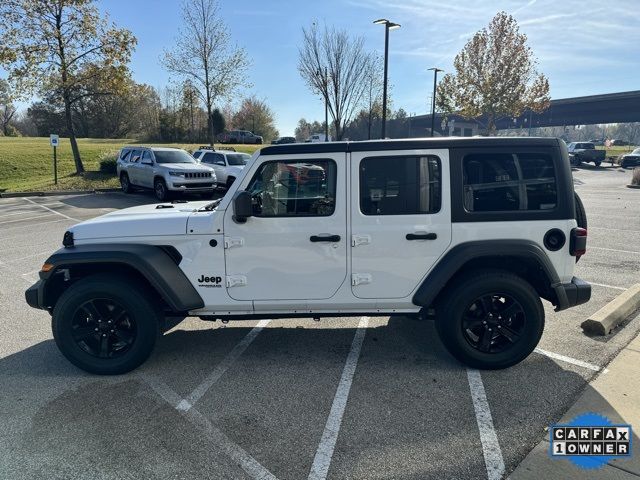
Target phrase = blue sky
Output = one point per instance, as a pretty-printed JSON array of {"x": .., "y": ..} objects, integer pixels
[{"x": 584, "y": 47}]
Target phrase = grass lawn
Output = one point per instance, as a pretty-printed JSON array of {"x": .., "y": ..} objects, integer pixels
[
  {"x": 26, "y": 163},
  {"x": 615, "y": 151}
]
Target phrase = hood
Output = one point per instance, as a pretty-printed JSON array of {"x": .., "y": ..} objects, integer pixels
[
  {"x": 187, "y": 167},
  {"x": 141, "y": 221},
  {"x": 235, "y": 169}
]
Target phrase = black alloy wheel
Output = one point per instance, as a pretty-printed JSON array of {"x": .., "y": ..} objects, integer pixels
[
  {"x": 103, "y": 328},
  {"x": 493, "y": 323}
]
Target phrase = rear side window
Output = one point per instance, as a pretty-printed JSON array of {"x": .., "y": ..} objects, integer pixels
[
  {"x": 501, "y": 182},
  {"x": 400, "y": 185},
  {"x": 294, "y": 189}
]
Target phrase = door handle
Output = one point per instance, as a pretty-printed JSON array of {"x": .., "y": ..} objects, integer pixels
[
  {"x": 421, "y": 236},
  {"x": 324, "y": 238}
]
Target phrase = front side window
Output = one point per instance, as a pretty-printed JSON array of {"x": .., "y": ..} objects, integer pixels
[
  {"x": 294, "y": 188},
  {"x": 146, "y": 157},
  {"x": 400, "y": 185},
  {"x": 499, "y": 182}
]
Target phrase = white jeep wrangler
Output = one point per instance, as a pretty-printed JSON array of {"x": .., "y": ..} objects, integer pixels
[{"x": 474, "y": 230}]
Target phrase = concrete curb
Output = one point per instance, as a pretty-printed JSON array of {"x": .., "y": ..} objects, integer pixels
[
  {"x": 57, "y": 192},
  {"x": 614, "y": 312},
  {"x": 633, "y": 186}
]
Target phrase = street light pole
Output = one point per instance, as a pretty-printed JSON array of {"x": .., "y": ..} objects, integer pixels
[
  {"x": 433, "y": 100},
  {"x": 387, "y": 26}
]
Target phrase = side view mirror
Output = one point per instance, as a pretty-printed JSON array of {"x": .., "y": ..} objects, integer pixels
[{"x": 242, "y": 207}]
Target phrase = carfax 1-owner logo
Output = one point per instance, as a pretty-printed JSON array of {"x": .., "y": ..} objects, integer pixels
[{"x": 590, "y": 441}]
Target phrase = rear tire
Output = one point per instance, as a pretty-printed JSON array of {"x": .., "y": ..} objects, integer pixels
[
  {"x": 510, "y": 309},
  {"x": 105, "y": 324},
  {"x": 581, "y": 214}
]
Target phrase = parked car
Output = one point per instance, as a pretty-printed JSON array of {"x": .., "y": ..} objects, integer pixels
[
  {"x": 585, "y": 152},
  {"x": 283, "y": 140},
  {"x": 630, "y": 159},
  {"x": 240, "y": 136},
  {"x": 479, "y": 230},
  {"x": 619, "y": 143},
  {"x": 318, "y": 137},
  {"x": 165, "y": 170},
  {"x": 227, "y": 164}
]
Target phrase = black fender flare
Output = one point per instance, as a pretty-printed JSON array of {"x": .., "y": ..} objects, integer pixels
[
  {"x": 157, "y": 264},
  {"x": 454, "y": 260}
]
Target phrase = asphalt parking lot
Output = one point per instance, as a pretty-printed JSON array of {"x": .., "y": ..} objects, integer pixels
[{"x": 340, "y": 398}]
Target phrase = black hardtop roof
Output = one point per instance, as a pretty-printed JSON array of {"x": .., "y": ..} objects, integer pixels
[{"x": 409, "y": 144}]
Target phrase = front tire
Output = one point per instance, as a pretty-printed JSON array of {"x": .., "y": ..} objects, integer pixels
[
  {"x": 125, "y": 183},
  {"x": 160, "y": 189},
  {"x": 105, "y": 324},
  {"x": 490, "y": 320},
  {"x": 230, "y": 181}
]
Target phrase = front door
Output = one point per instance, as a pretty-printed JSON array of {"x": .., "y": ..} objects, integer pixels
[
  {"x": 145, "y": 171},
  {"x": 294, "y": 247},
  {"x": 401, "y": 221}
]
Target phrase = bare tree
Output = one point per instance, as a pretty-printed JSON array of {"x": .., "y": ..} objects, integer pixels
[
  {"x": 335, "y": 65},
  {"x": 61, "y": 47},
  {"x": 204, "y": 54},
  {"x": 495, "y": 75},
  {"x": 373, "y": 93},
  {"x": 7, "y": 109}
]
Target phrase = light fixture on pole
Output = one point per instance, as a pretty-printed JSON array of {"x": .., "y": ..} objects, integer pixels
[
  {"x": 387, "y": 26},
  {"x": 433, "y": 100}
]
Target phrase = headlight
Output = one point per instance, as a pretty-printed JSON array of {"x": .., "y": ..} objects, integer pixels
[{"x": 177, "y": 174}]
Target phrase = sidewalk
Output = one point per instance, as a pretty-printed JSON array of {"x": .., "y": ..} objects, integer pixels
[{"x": 614, "y": 394}]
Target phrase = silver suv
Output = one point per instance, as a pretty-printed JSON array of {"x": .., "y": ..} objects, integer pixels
[{"x": 165, "y": 170}]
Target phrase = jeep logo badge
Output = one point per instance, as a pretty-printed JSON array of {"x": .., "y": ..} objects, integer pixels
[{"x": 209, "y": 282}]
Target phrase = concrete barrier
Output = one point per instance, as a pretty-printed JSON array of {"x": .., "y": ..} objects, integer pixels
[{"x": 614, "y": 312}]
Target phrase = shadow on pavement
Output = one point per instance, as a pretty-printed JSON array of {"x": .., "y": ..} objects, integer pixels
[{"x": 409, "y": 413}]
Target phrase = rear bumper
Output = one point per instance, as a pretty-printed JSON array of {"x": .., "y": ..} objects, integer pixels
[
  {"x": 35, "y": 295},
  {"x": 571, "y": 294}
]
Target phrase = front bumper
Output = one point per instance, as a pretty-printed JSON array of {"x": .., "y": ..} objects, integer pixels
[
  {"x": 571, "y": 294},
  {"x": 35, "y": 295}
]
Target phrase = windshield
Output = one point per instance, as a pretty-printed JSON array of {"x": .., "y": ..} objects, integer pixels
[
  {"x": 173, "y": 156},
  {"x": 636, "y": 151},
  {"x": 238, "y": 158}
]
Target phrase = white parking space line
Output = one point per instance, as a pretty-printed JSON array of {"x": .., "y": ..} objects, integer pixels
[
  {"x": 490, "y": 447},
  {"x": 614, "y": 229},
  {"x": 185, "y": 404},
  {"x": 613, "y": 250},
  {"x": 51, "y": 210},
  {"x": 573, "y": 361},
  {"x": 605, "y": 285},
  {"x": 245, "y": 461},
  {"x": 25, "y": 219},
  {"x": 322, "y": 460}
]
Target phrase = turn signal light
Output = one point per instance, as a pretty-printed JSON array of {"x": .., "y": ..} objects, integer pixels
[{"x": 46, "y": 267}]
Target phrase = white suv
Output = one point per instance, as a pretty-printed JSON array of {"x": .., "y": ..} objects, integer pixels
[
  {"x": 228, "y": 164},
  {"x": 165, "y": 170},
  {"x": 476, "y": 231}
]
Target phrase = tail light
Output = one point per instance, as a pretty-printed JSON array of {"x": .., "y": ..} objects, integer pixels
[{"x": 578, "y": 243}]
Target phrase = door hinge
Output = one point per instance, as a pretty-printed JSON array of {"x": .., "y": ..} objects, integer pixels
[
  {"x": 361, "y": 279},
  {"x": 360, "y": 240},
  {"x": 236, "y": 281},
  {"x": 230, "y": 242}
]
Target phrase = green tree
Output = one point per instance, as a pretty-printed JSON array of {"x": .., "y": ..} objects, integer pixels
[
  {"x": 204, "y": 54},
  {"x": 495, "y": 76},
  {"x": 218, "y": 121},
  {"x": 61, "y": 46},
  {"x": 255, "y": 115}
]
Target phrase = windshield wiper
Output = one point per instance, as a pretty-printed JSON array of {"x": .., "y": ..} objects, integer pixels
[{"x": 210, "y": 206}]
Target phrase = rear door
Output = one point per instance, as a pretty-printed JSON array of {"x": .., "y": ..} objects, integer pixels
[
  {"x": 401, "y": 220},
  {"x": 294, "y": 247}
]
